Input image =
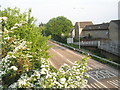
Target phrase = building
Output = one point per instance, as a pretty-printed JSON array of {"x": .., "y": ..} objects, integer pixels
[
  {"x": 72, "y": 33},
  {"x": 114, "y": 31},
  {"x": 100, "y": 31},
  {"x": 79, "y": 27}
]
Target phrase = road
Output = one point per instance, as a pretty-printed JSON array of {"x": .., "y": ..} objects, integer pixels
[{"x": 101, "y": 75}]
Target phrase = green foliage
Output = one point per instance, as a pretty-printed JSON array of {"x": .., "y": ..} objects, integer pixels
[
  {"x": 24, "y": 61},
  {"x": 59, "y": 28},
  {"x": 19, "y": 34}
]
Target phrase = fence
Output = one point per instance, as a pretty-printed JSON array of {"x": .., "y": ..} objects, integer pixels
[
  {"x": 88, "y": 43},
  {"x": 108, "y": 46}
]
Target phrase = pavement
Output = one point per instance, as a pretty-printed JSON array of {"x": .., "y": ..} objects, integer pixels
[{"x": 101, "y": 75}]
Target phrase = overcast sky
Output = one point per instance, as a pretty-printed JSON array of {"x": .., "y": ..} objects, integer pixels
[{"x": 97, "y": 11}]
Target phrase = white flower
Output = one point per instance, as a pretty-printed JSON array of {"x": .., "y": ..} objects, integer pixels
[
  {"x": 3, "y": 18},
  {"x": 14, "y": 27},
  {"x": 14, "y": 68},
  {"x": 62, "y": 80},
  {"x": 21, "y": 82},
  {"x": 37, "y": 73},
  {"x": 43, "y": 71},
  {"x": 7, "y": 38}
]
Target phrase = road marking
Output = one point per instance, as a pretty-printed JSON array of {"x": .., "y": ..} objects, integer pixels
[
  {"x": 98, "y": 82},
  {"x": 112, "y": 84},
  {"x": 74, "y": 53},
  {"x": 89, "y": 86},
  {"x": 116, "y": 84},
  {"x": 93, "y": 86},
  {"x": 62, "y": 56},
  {"x": 52, "y": 63},
  {"x": 97, "y": 85},
  {"x": 101, "y": 74}
]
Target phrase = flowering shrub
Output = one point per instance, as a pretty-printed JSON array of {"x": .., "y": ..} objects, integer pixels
[{"x": 24, "y": 61}]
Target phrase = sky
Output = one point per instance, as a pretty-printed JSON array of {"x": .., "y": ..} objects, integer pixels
[{"x": 97, "y": 11}]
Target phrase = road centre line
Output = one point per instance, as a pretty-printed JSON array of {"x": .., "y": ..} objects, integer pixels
[
  {"x": 62, "y": 56},
  {"x": 67, "y": 49}
]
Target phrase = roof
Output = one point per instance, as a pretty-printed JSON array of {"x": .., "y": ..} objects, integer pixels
[
  {"x": 103, "y": 26},
  {"x": 83, "y": 24},
  {"x": 116, "y": 21}
]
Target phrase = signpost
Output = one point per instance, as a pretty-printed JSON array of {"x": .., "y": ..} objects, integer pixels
[{"x": 69, "y": 40}]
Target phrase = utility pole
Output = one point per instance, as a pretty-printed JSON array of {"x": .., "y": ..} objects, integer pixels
[{"x": 79, "y": 35}]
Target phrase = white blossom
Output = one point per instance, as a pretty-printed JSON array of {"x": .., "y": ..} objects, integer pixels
[
  {"x": 3, "y": 18},
  {"x": 63, "y": 80},
  {"x": 14, "y": 27},
  {"x": 14, "y": 68},
  {"x": 22, "y": 82},
  {"x": 6, "y": 38}
]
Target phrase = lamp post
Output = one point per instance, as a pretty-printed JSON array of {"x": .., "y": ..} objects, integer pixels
[{"x": 79, "y": 36}]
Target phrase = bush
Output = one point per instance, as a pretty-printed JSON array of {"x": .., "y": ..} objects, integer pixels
[{"x": 24, "y": 61}]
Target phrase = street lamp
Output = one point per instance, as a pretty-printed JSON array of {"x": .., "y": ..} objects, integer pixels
[{"x": 79, "y": 36}]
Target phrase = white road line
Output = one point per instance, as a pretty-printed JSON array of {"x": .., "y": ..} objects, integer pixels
[
  {"x": 97, "y": 85},
  {"x": 112, "y": 84},
  {"x": 99, "y": 82},
  {"x": 52, "y": 63},
  {"x": 88, "y": 86},
  {"x": 116, "y": 82},
  {"x": 110, "y": 73},
  {"x": 93, "y": 86},
  {"x": 68, "y": 50},
  {"x": 74, "y": 53},
  {"x": 62, "y": 56}
]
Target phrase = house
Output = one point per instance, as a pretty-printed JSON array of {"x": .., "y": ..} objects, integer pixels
[
  {"x": 107, "y": 34},
  {"x": 100, "y": 31},
  {"x": 114, "y": 31},
  {"x": 79, "y": 27}
]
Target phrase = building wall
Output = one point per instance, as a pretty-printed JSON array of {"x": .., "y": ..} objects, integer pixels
[
  {"x": 79, "y": 27},
  {"x": 95, "y": 33},
  {"x": 72, "y": 34},
  {"x": 76, "y": 30},
  {"x": 113, "y": 32}
]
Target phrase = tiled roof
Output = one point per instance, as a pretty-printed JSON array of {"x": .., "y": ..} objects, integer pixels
[
  {"x": 83, "y": 24},
  {"x": 103, "y": 26}
]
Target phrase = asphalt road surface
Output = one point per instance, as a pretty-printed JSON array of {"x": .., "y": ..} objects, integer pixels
[{"x": 101, "y": 75}]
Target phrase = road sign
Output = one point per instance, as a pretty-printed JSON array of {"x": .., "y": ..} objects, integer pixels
[{"x": 69, "y": 40}]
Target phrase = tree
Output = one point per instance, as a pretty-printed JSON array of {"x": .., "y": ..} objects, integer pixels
[
  {"x": 59, "y": 28},
  {"x": 23, "y": 40}
]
